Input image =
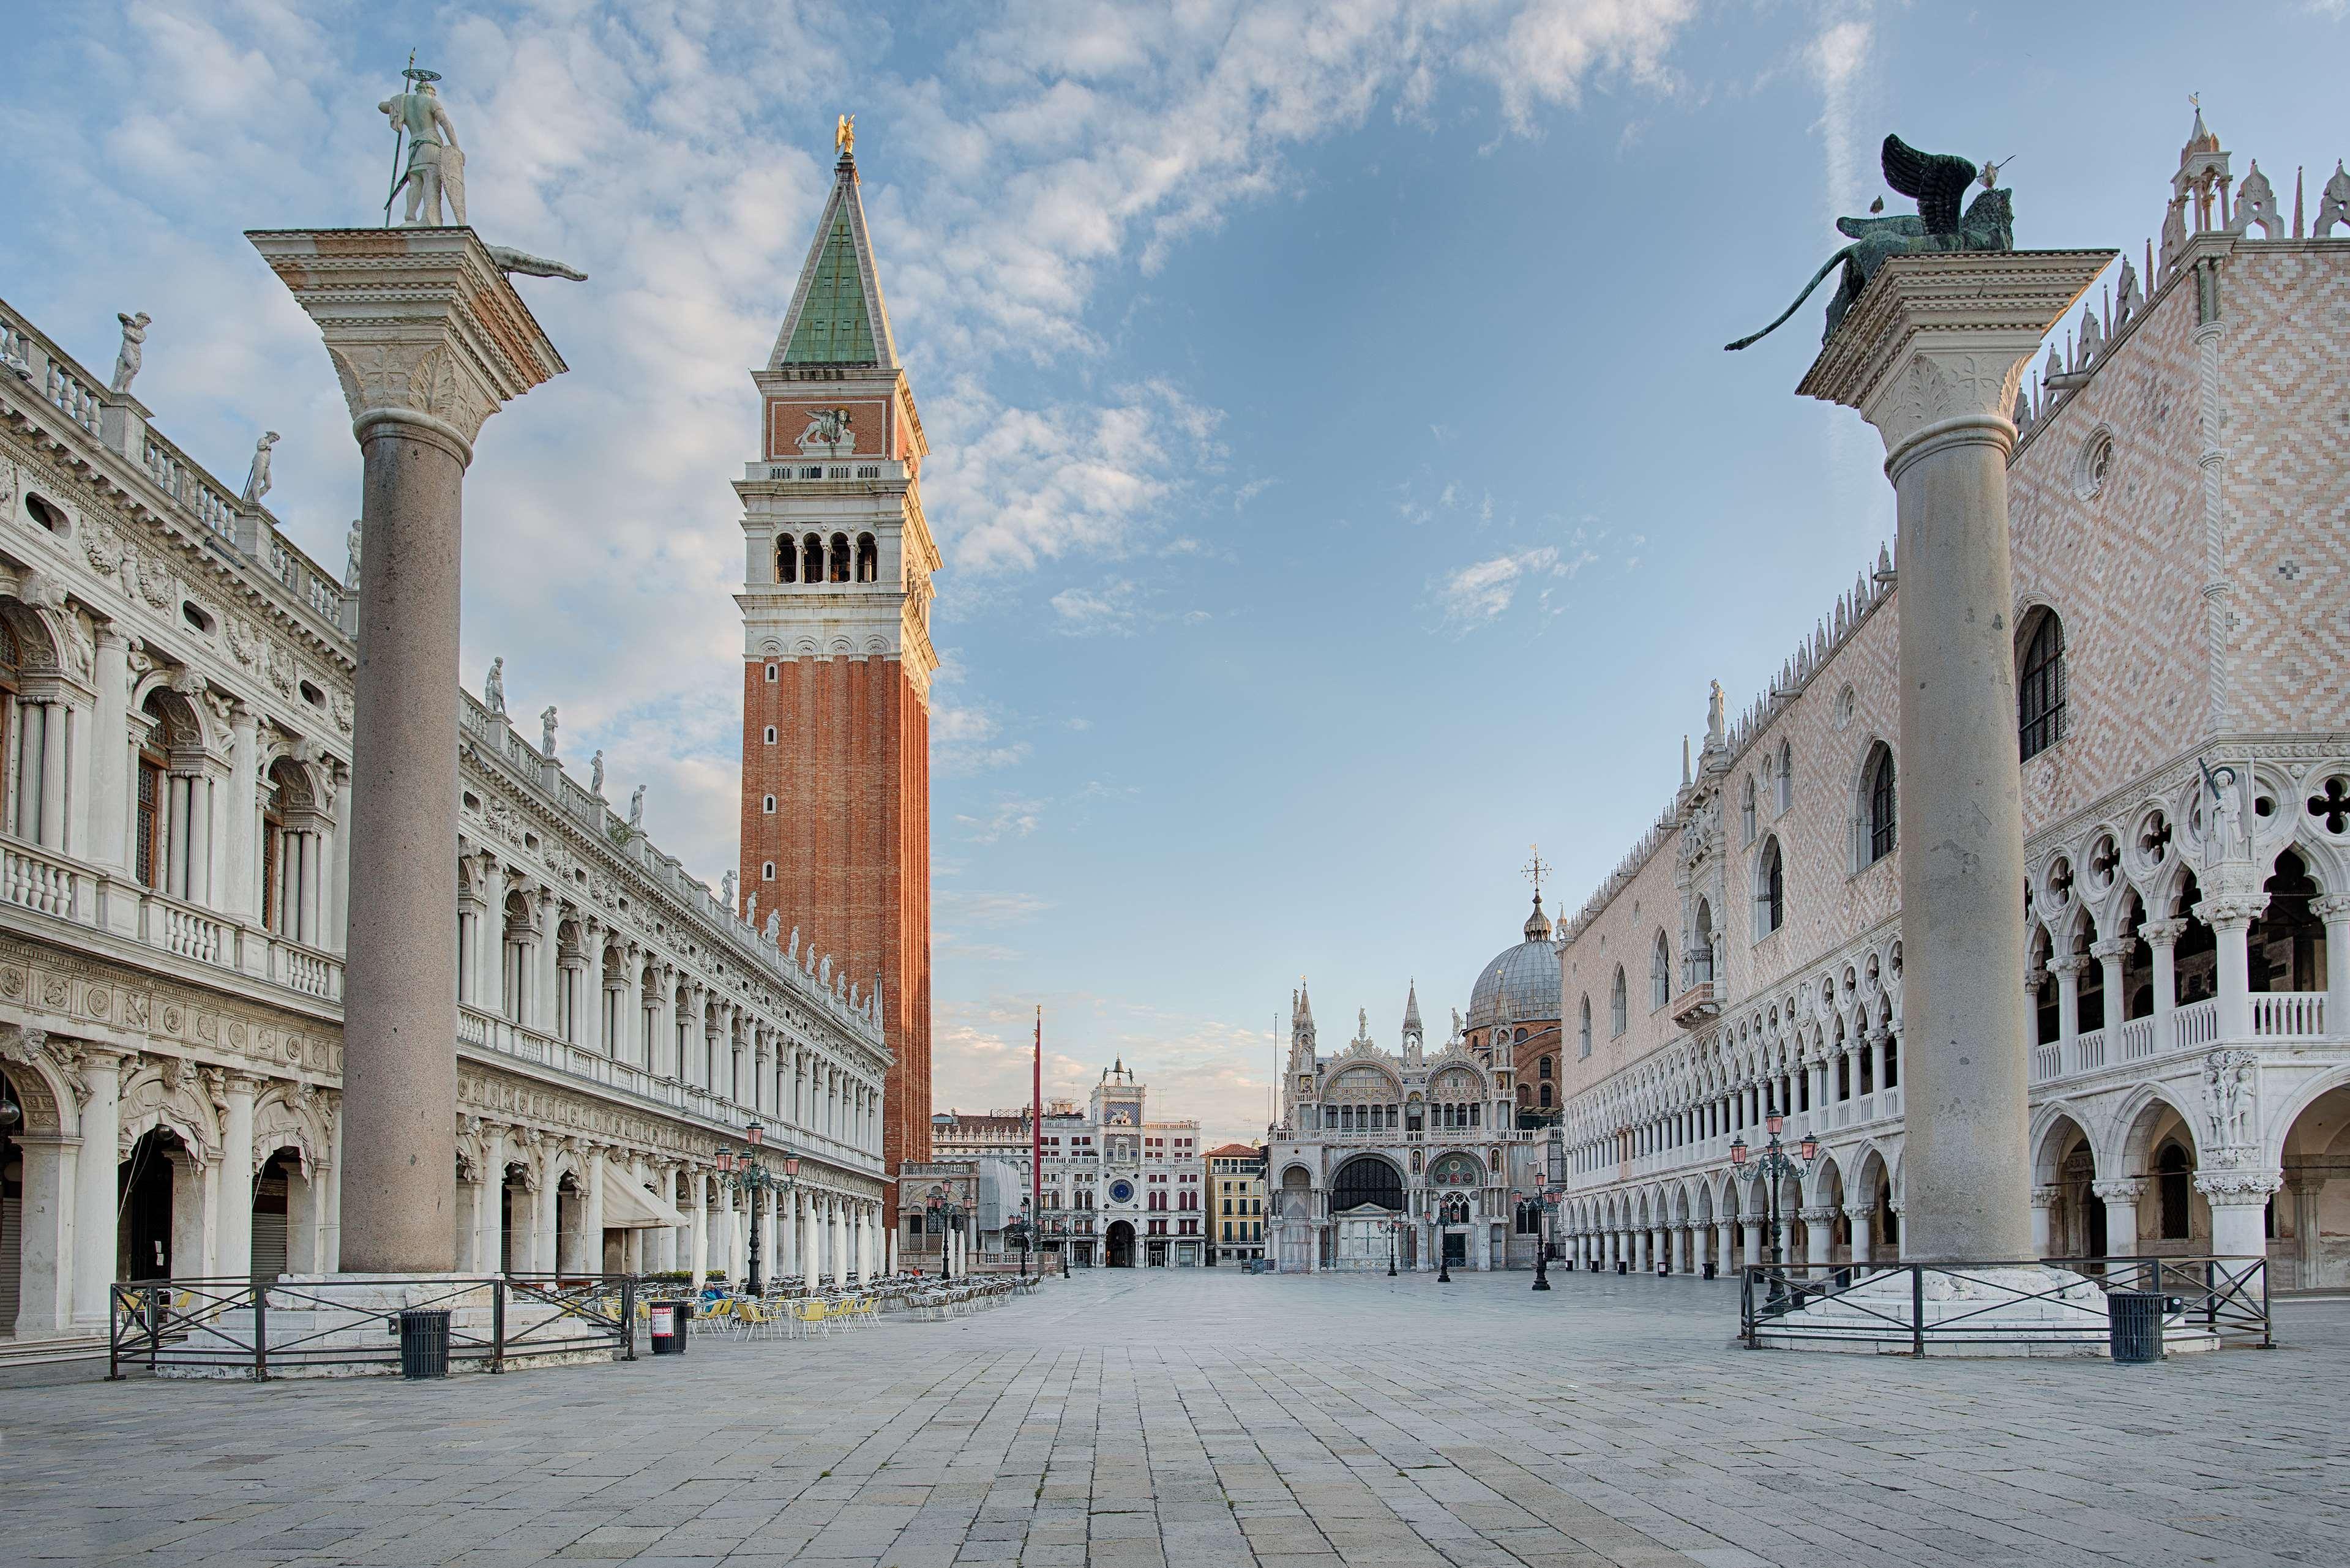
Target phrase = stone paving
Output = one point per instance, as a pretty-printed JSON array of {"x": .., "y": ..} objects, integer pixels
[{"x": 1160, "y": 1420}]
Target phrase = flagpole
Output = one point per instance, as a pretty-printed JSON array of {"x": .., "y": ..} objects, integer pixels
[{"x": 1037, "y": 1125}]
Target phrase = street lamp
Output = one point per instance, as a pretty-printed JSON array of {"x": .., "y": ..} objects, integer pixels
[
  {"x": 1395, "y": 1226},
  {"x": 1775, "y": 1165},
  {"x": 944, "y": 1213},
  {"x": 1019, "y": 1227},
  {"x": 748, "y": 1178}
]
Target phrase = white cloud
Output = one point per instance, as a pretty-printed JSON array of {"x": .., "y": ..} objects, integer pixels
[
  {"x": 1476, "y": 593},
  {"x": 1011, "y": 816}
]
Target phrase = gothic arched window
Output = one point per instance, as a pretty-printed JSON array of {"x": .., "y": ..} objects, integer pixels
[
  {"x": 1746, "y": 809},
  {"x": 1786, "y": 776},
  {"x": 1618, "y": 1011},
  {"x": 1660, "y": 974},
  {"x": 1883, "y": 816},
  {"x": 811, "y": 559},
  {"x": 2040, "y": 685},
  {"x": 1701, "y": 949},
  {"x": 1770, "y": 890},
  {"x": 1586, "y": 1050}
]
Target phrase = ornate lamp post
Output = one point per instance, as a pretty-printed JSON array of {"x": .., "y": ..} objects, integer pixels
[
  {"x": 1019, "y": 1230},
  {"x": 748, "y": 1177},
  {"x": 1775, "y": 1165},
  {"x": 1394, "y": 1227},
  {"x": 945, "y": 1222}
]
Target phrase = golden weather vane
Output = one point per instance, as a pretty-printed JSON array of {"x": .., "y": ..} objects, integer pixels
[{"x": 844, "y": 136}]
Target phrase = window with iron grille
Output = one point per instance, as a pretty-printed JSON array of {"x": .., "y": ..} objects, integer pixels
[
  {"x": 1883, "y": 817},
  {"x": 2040, "y": 690}
]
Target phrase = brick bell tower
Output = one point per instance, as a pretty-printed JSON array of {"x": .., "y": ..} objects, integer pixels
[{"x": 836, "y": 651}]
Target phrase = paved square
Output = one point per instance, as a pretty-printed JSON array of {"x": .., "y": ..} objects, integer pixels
[{"x": 1138, "y": 1419}]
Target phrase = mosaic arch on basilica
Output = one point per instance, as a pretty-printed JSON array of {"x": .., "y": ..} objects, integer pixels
[
  {"x": 2180, "y": 556},
  {"x": 176, "y": 722}
]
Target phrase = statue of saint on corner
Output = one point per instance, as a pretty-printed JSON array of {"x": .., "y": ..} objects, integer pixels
[{"x": 436, "y": 164}]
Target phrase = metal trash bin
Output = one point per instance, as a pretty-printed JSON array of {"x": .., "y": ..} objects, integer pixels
[
  {"x": 1622, "y": 1266},
  {"x": 424, "y": 1343},
  {"x": 669, "y": 1321},
  {"x": 2134, "y": 1320}
]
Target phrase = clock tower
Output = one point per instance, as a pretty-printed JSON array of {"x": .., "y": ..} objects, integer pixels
[{"x": 837, "y": 562}]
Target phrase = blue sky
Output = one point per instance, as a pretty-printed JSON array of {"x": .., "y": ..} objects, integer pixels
[{"x": 1341, "y": 483}]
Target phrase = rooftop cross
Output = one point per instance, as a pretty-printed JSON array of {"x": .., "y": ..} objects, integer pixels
[{"x": 1535, "y": 869}]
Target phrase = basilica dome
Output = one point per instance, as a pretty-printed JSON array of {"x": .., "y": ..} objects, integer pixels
[{"x": 1522, "y": 982}]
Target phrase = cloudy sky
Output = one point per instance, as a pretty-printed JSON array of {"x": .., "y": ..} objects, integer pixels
[{"x": 1340, "y": 480}]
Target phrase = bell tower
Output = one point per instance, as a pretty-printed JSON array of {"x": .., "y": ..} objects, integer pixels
[{"x": 837, "y": 562}]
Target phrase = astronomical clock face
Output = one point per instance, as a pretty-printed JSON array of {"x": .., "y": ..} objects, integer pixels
[{"x": 1121, "y": 1191}]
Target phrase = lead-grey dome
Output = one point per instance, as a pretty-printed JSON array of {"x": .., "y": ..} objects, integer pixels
[{"x": 1522, "y": 983}]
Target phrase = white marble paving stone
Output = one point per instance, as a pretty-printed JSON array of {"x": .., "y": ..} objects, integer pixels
[{"x": 1206, "y": 1418}]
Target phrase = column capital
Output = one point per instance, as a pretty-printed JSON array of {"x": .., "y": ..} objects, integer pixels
[
  {"x": 2067, "y": 968},
  {"x": 2236, "y": 1188},
  {"x": 2230, "y": 914},
  {"x": 2046, "y": 1197},
  {"x": 2121, "y": 1190},
  {"x": 2162, "y": 933},
  {"x": 2111, "y": 948},
  {"x": 2333, "y": 906},
  {"x": 1936, "y": 343},
  {"x": 422, "y": 328}
]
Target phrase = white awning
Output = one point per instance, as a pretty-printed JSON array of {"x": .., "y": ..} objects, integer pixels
[{"x": 629, "y": 1205}]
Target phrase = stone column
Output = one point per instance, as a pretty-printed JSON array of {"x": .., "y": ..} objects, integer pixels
[
  {"x": 2109, "y": 954},
  {"x": 96, "y": 1196},
  {"x": 2230, "y": 920},
  {"x": 1819, "y": 1234},
  {"x": 235, "y": 1229},
  {"x": 1863, "y": 1221},
  {"x": 2162, "y": 937},
  {"x": 44, "y": 1258},
  {"x": 240, "y": 888},
  {"x": 698, "y": 1193},
  {"x": 2240, "y": 1201},
  {"x": 2334, "y": 910},
  {"x": 109, "y": 762},
  {"x": 1725, "y": 1237},
  {"x": 592, "y": 1209},
  {"x": 489, "y": 1252},
  {"x": 1930, "y": 355},
  {"x": 2121, "y": 1198},
  {"x": 2044, "y": 1208},
  {"x": 1753, "y": 1252},
  {"x": 428, "y": 339},
  {"x": 2067, "y": 971},
  {"x": 811, "y": 1256}
]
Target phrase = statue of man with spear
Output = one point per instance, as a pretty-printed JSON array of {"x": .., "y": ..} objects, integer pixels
[{"x": 436, "y": 164}]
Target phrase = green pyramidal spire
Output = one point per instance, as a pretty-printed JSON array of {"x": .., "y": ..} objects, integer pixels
[{"x": 835, "y": 326}]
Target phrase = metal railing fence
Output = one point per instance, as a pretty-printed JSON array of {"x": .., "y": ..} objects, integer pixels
[
  {"x": 233, "y": 1323},
  {"x": 2227, "y": 1297}
]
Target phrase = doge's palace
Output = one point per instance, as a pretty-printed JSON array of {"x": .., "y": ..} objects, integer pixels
[
  {"x": 2182, "y": 536},
  {"x": 175, "y": 685}
]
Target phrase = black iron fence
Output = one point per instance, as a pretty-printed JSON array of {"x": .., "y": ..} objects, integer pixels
[
  {"x": 1925, "y": 1306},
  {"x": 258, "y": 1327}
]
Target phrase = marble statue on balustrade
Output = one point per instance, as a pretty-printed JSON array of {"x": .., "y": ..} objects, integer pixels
[
  {"x": 637, "y": 810},
  {"x": 351, "y": 558},
  {"x": 726, "y": 885},
  {"x": 596, "y": 774},
  {"x": 494, "y": 687},
  {"x": 1937, "y": 181},
  {"x": 257, "y": 478},
  {"x": 132, "y": 354},
  {"x": 547, "y": 733},
  {"x": 774, "y": 927}
]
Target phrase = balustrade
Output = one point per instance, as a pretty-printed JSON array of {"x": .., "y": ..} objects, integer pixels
[
  {"x": 33, "y": 879},
  {"x": 2288, "y": 1014}
]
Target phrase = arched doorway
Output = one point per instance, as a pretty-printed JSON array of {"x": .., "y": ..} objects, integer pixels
[
  {"x": 1121, "y": 1244},
  {"x": 144, "y": 1243},
  {"x": 1365, "y": 1201},
  {"x": 2311, "y": 1217}
]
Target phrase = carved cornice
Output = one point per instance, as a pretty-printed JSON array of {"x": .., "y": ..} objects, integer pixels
[
  {"x": 1944, "y": 336},
  {"x": 421, "y": 324}
]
